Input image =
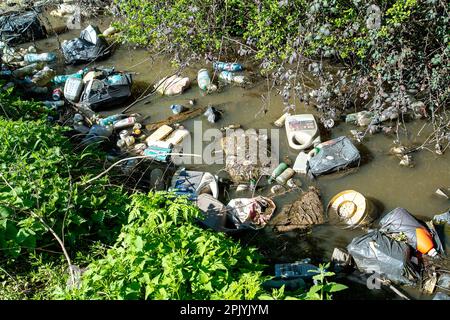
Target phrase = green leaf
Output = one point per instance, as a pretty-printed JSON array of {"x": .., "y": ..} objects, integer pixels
[
  {"x": 337, "y": 287},
  {"x": 5, "y": 212}
]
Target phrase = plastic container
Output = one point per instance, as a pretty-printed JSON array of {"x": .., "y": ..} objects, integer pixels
[
  {"x": 177, "y": 136},
  {"x": 301, "y": 163},
  {"x": 302, "y": 131},
  {"x": 352, "y": 208},
  {"x": 225, "y": 66},
  {"x": 73, "y": 89},
  {"x": 278, "y": 170},
  {"x": 127, "y": 122},
  {"x": 159, "y": 134},
  {"x": 230, "y": 77},
  {"x": 285, "y": 176},
  {"x": 203, "y": 79},
  {"x": 161, "y": 144},
  {"x": 42, "y": 57}
]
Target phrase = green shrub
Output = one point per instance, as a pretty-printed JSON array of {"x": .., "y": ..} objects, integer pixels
[
  {"x": 162, "y": 254},
  {"x": 41, "y": 176}
]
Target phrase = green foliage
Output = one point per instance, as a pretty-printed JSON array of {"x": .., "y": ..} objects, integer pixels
[
  {"x": 41, "y": 176},
  {"x": 14, "y": 108},
  {"x": 162, "y": 254},
  {"x": 321, "y": 290},
  {"x": 393, "y": 47}
]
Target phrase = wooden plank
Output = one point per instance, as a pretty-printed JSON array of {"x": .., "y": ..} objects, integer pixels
[{"x": 176, "y": 118}]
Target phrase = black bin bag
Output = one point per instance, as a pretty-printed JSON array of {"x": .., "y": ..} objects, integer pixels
[
  {"x": 376, "y": 252},
  {"x": 19, "y": 28},
  {"x": 90, "y": 46}
]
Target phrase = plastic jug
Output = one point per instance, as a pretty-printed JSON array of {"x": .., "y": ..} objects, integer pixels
[
  {"x": 302, "y": 131},
  {"x": 73, "y": 89}
]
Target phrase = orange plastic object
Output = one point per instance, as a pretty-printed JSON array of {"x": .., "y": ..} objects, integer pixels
[{"x": 424, "y": 241}]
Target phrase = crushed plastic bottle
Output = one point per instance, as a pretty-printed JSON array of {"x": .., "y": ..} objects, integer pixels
[
  {"x": 27, "y": 70},
  {"x": 230, "y": 77},
  {"x": 225, "y": 66},
  {"x": 43, "y": 77},
  {"x": 42, "y": 57},
  {"x": 203, "y": 79}
]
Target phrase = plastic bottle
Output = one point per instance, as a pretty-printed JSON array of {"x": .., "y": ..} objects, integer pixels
[
  {"x": 220, "y": 66},
  {"x": 176, "y": 108},
  {"x": 278, "y": 170},
  {"x": 43, "y": 77},
  {"x": 110, "y": 120},
  {"x": 203, "y": 79},
  {"x": 127, "y": 122},
  {"x": 97, "y": 134},
  {"x": 42, "y": 57},
  {"x": 285, "y": 176},
  {"x": 229, "y": 76},
  {"x": 53, "y": 104},
  {"x": 60, "y": 79},
  {"x": 27, "y": 70}
]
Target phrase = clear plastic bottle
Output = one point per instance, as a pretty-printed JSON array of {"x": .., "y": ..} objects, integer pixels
[
  {"x": 42, "y": 57},
  {"x": 230, "y": 77},
  {"x": 43, "y": 77}
]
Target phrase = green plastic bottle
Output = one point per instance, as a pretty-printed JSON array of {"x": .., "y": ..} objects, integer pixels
[{"x": 278, "y": 170}]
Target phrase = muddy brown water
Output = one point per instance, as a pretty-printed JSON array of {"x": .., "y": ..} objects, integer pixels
[{"x": 381, "y": 178}]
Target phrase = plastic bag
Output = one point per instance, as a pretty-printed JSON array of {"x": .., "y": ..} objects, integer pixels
[
  {"x": 19, "y": 28},
  {"x": 88, "y": 47},
  {"x": 212, "y": 114},
  {"x": 376, "y": 252},
  {"x": 399, "y": 221}
]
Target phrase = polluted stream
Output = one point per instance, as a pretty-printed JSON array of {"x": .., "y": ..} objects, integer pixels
[{"x": 379, "y": 176}]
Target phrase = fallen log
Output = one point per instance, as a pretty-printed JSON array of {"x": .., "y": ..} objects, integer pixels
[{"x": 176, "y": 118}]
